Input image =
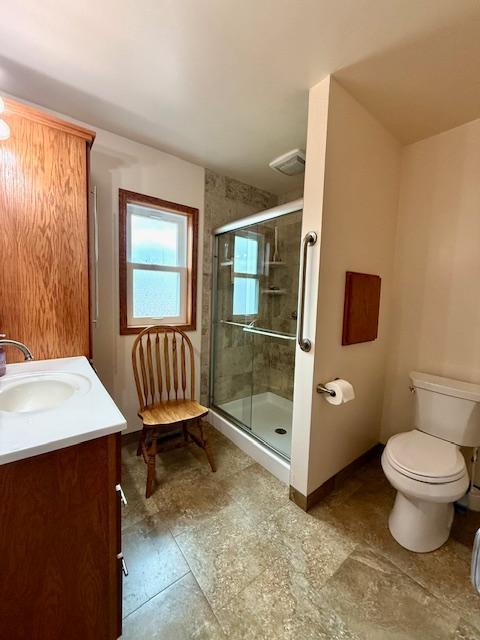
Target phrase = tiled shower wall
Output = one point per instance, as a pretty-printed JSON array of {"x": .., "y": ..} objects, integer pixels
[
  {"x": 290, "y": 196},
  {"x": 226, "y": 199},
  {"x": 279, "y": 312}
]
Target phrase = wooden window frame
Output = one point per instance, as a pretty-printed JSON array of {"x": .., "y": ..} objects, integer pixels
[{"x": 131, "y": 197}]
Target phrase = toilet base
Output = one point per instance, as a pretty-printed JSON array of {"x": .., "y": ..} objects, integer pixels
[{"x": 419, "y": 525}]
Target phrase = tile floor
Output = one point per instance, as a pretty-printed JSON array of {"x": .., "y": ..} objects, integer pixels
[{"x": 226, "y": 555}]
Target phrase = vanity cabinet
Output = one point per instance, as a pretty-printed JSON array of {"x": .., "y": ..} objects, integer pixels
[
  {"x": 60, "y": 544},
  {"x": 44, "y": 167}
]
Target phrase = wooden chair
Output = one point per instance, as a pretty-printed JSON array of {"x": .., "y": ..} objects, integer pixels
[{"x": 164, "y": 370}]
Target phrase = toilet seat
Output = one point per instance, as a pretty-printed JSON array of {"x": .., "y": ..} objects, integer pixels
[{"x": 425, "y": 458}]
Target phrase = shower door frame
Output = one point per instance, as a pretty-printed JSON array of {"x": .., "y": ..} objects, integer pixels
[{"x": 241, "y": 223}]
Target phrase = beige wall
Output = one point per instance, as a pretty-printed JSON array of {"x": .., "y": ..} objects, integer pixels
[
  {"x": 303, "y": 390},
  {"x": 358, "y": 229},
  {"x": 436, "y": 308},
  {"x": 410, "y": 215},
  {"x": 120, "y": 163}
]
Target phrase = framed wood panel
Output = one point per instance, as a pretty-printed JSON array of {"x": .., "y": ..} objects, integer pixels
[{"x": 361, "y": 307}]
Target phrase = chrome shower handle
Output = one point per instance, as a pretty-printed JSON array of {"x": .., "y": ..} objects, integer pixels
[{"x": 309, "y": 240}]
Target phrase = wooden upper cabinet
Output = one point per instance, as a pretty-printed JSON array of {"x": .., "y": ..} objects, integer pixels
[{"x": 44, "y": 280}]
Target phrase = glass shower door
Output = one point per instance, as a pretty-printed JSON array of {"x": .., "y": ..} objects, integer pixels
[
  {"x": 236, "y": 294},
  {"x": 255, "y": 319},
  {"x": 274, "y": 349}
]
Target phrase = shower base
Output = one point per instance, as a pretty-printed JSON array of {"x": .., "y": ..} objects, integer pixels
[{"x": 264, "y": 413}]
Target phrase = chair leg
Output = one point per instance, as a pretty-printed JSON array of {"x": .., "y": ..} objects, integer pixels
[
  {"x": 151, "y": 460},
  {"x": 209, "y": 455},
  {"x": 140, "y": 442},
  {"x": 206, "y": 448}
]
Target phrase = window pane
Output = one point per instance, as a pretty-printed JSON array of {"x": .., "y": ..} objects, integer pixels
[
  {"x": 159, "y": 238},
  {"x": 156, "y": 294},
  {"x": 246, "y": 255},
  {"x": 245, "y": 296}
]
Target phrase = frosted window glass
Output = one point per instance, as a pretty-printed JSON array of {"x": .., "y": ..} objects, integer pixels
[
  {"x": 246, "y": 255},
  {"x": 156, "y": 294},
  {"x": 157, "y": 239},
  {"x": 245, "y": 296}
]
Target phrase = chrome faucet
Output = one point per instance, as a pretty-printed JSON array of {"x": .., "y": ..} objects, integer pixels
[{"x": 19, "y": 345}]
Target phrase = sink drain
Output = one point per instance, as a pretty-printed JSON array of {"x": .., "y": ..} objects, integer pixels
[{"x": 281, "y": 431}]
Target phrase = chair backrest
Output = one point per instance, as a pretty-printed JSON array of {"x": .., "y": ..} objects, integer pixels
[{"x": 163, "y": 365}]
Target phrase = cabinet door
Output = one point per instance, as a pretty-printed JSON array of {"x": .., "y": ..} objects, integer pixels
[
  {"x": 44, "y": 239},
  {"x": 58, "y": 544}
]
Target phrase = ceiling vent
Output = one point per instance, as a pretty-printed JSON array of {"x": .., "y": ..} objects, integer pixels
[{"x": 290, "y": 164}]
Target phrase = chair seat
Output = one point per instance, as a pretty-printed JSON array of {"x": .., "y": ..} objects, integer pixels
[{"x": 171, "y": 411}]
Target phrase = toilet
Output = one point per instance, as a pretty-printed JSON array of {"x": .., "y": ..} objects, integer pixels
[{"x": 425, "y": 465}]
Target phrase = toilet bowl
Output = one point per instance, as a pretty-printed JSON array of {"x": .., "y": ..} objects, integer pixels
[
  {"x": 429, "y": 475},
  {"x": 425, "y": 465}
]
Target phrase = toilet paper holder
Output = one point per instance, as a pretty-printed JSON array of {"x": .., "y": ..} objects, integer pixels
[{"x": 323, "y": 389}]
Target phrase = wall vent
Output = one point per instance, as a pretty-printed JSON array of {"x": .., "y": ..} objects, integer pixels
[{"x": 290, "y": 164}]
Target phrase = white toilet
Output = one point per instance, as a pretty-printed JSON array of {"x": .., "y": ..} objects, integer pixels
[{"x": 425, "y": 465}]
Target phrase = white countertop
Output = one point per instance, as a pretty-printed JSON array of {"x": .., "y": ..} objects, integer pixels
[{"x": 89, "y": 413}]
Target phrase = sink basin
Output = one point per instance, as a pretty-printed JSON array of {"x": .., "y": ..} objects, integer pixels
[
  {"x": 40, "y": 392},
  {"x": 48, "y": 405}
]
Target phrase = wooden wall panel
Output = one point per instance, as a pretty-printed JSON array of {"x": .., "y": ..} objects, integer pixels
[
  {"x": 361, "y": 307},
  {"x": 44, "y": 241}
]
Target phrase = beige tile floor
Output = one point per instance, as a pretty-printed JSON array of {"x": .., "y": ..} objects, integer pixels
[{"x": 226, "y": 555}]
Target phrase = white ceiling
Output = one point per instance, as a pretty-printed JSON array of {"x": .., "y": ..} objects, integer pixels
[{"x": 224, "y": 83}]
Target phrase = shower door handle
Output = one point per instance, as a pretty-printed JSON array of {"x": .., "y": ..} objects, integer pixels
[{"x": 309, "y": 240}]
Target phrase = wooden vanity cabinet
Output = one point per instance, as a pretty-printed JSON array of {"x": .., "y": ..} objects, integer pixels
[
  {"x": 44, "y": 280},
  {"x": 60, "y": 574},
  {"x": 60, "y": 571}
]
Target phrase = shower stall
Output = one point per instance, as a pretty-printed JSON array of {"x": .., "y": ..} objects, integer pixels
[{"x": 254, "y": 318}]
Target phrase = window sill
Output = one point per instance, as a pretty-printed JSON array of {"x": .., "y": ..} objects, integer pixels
[{"x": 128, "y": 331}]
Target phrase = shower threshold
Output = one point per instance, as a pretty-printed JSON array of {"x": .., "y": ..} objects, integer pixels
[{"x": 261, "y": 425}]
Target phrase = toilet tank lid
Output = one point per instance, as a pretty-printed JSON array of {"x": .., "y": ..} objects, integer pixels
[{"x": 446, "y": 386}]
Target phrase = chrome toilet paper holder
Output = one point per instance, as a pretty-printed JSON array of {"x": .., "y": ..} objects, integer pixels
[{"x": 321, "y": 388}]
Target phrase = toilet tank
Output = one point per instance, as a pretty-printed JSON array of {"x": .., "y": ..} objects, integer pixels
[{"x": 446, "y": 408}]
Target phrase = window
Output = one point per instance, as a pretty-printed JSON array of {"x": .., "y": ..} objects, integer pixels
[
  {"x": 157, "y": 263},
  {"x": 245, "y": 275}
]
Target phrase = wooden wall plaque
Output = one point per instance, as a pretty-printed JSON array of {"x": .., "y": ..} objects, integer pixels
[{"x": 361, "y": 307}]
